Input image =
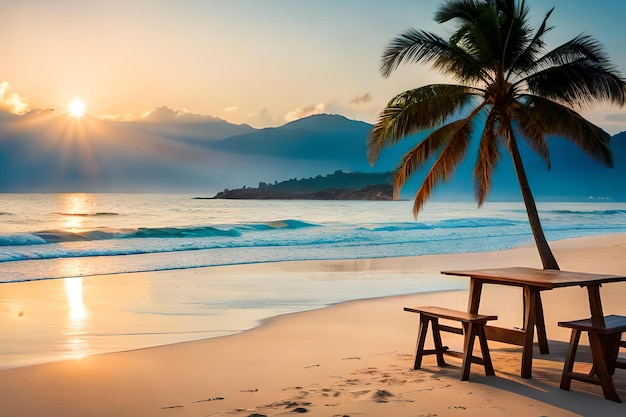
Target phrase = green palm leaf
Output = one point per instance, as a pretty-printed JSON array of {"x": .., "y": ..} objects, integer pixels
[
  {"x": 555, "y": 119},
  {"x": 414, "y": 111},
  {"x": 453, "y": 139},
  {"x": 531, "y": 131},
  {"x": 488, "y": 158},
  {"x": 411, "y": 47},
  {"x": 579, "y": 82}
]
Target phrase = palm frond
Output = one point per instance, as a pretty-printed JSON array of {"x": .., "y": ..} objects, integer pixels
[
  {"x": 580, "y": 47},
  {"x": 488, "y": 157},
  {"x": 527, "y": 58},
  {"x": 411, "y": 47},
  {"x": 464, "y": 63},
  {"x": 531, "y": 131},
  {"x": 580, "y": 82},
  {"x": 555, "y": 119},
  {"x": 466, "y": 10},
  {"x": 493, "y": 33},
  {"x": 515, "y": 32},
  {"x": 414, "y": 111},
  {"x": 475, "y": 43},
  {"x": 415, "y": 159},
  {"x": 456, "y": 136}
]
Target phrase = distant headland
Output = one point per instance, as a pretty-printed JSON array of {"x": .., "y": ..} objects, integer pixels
[{"x": 337, "y": 186}]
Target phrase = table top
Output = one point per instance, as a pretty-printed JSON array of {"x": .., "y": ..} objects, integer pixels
[{"x": 543, "y": 278}]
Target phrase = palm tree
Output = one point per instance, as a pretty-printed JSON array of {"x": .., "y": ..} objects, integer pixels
[{"x": 509, "y": 85}]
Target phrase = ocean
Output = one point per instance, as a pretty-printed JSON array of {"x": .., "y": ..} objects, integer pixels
[
  {"x": 45, "y": 236},
  {"x": 63, "y": 294}
]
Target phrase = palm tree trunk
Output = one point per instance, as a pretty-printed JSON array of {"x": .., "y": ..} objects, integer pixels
[{"x": 547, "y": 258}]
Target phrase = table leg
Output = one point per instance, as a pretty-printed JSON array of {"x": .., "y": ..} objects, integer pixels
[
  {"x": 530, "y": 315},
  {"x": 476, "y": 287},
  {"x": 541, "y": 327},
  {"x": 595, "y": 305}
]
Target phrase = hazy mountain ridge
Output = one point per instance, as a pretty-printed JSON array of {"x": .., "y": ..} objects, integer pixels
[
  {"x": 187, "y": 126},
  {"x": 47, "y": 151},
  {"x": 329, "y": 137}
]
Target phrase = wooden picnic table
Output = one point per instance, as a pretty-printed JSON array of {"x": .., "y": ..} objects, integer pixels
[{"x": 533, "y": 281}]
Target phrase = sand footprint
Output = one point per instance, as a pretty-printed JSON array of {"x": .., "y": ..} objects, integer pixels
[
  {"x": 382, "y": 396},
  {"x": 208, "y": 400}
]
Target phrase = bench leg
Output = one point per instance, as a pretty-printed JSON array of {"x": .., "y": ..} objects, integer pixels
[
  {"x": 468, "y": 348},
  {"x": 598, "y": 350},
  {"x": 566, "y": 377},
  {"x": 421, "y": 339},
  {"x": 438, "y": 344},
  {"x": 484, "y": 348},
  {"x": 612, "y": 350}
]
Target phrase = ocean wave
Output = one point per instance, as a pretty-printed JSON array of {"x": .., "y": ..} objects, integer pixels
[
  {"x": 607, "y": 212},
  {"x": 279, "y": 224},
  {"x": 62, "y": 236},
  {"x": 178, "y": 232},
  {"x": 590, "y": 212},
  {"x": 328, "y": 241},
  {"x": 399, "y": 227},
  {"x": 20, "y": 239},
  {"x": 474, "y": 222}
]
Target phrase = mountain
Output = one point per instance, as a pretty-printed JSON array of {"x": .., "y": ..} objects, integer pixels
[
  {"x": 167, "y": 151},
  {"x": 322, "y": 137},
  {"x": 184, "y": 125},
  {"x": 171, "y": 151}
]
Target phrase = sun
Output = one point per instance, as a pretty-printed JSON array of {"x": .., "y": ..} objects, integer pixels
[{"x": 76, "y": 108}]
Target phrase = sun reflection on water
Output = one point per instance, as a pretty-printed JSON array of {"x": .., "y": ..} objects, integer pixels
[
  {"x": 76, "y": 207},
  {"x": 74, "y": 289},
  {"x": 76, "y": 344}
]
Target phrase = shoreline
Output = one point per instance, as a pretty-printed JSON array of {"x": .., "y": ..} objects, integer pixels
[
  {"x": 351, "y": 358},
  {"x": 75, "y": 317}
]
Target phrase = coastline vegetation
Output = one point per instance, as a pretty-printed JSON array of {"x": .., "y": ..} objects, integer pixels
[{"x": 339, "y": 185}]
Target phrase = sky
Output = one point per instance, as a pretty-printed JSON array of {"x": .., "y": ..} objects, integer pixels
[{"x": 260, "y": 62}]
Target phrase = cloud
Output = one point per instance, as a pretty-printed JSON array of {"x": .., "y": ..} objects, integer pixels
[
  {"x": 365, "y": 98},
  {"x": 616, "y": 117},
  {"x": 118, "y": 117},
  {"x": 12, "y": 103},
  {"x": 266, "y": 117},
  {"x": 299, "y": 113},
  {"x": 165, "y": 114},
  {"x": 231, "y": 108},
  {"x": 159, "y": 114}
]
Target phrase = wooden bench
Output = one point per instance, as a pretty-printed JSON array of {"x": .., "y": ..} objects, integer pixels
[
  {"x": 604, "y": 342},
  {"x": 472, "y": 325}
]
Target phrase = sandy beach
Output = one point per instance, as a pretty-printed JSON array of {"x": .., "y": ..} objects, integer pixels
[{"x": 350, "y": 359}]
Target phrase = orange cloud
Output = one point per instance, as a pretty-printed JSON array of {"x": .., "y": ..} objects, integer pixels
[
  {"x": 299, "y": 113},
  {"x": 365, "y": 98},
  {"x": 12, "y": 103}
]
